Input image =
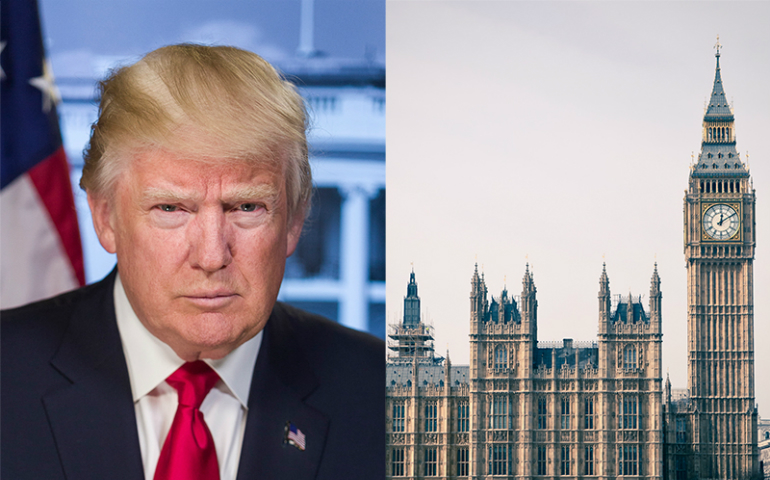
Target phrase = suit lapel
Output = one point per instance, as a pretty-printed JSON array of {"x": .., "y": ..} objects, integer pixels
[
  {"x": 282, "y": 380},
  {"x": 93, "y": 419}
]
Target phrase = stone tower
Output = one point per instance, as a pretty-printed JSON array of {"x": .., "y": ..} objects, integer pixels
[
  {"x": 412, "y": 339},
  {"x": 719, "y": 241}
]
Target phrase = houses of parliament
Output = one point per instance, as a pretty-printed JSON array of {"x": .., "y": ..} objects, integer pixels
[{"x": 527, "y": 408}]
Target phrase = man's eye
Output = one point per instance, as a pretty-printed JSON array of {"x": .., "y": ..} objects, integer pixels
[
  {"x": 168, "y": 208},
  {"x": 247, "y": 207}
]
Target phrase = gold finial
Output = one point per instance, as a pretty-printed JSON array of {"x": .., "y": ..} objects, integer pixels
[
  {"x": 692, "y": 156},
  {"x": 717, "y": 45}
]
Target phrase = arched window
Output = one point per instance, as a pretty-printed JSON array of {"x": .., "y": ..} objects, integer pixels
[
  {"x": 629, "y": 357},
  {"x": 501, "y": 357}
]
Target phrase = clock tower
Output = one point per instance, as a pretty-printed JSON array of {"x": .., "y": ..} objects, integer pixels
[{"x": 719, "y": 242}]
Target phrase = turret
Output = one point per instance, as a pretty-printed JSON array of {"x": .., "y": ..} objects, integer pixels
[
  {"x": 630, "y": 308},
  {"x": 655, "y": 301},
  {"x": 529, "y": 304},
  {"x": 478, "y": 297},
  {"x": 604, "y": 300},
  {"x": 447, "y": 374}
]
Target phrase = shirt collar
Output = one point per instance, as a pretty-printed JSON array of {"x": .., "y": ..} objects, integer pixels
[{"x": 150, "y": 361}]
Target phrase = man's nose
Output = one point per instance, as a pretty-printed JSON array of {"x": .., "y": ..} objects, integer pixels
[{"x": 211, "y": 245}]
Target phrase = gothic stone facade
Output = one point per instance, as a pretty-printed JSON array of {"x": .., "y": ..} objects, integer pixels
[{"x": 525, "y": 408}]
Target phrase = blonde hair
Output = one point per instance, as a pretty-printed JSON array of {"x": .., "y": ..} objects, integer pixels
[{"x": 206, "y": 103}]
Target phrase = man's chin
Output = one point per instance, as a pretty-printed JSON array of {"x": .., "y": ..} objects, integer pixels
[
  {"x": 197, "y": 349},
  {"x": 213, "y": 335}
]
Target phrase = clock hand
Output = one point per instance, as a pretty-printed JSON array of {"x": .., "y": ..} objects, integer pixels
[{"x": 721, "y": 219}]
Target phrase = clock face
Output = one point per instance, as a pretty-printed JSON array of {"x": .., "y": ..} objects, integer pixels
[{"x": 721, "y": 222}]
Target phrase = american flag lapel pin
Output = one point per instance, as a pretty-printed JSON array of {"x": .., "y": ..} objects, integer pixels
[{"x": 294, "y": 436}]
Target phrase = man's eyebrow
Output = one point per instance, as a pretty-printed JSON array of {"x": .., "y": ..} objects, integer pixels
[
  {"x": 165, "y": 195},
  {"x": 251, "y": 192},
  {"x": 237, "y": 194}
]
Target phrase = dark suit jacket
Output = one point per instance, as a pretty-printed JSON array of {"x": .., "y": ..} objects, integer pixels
[{"x": 67, "y": 410}]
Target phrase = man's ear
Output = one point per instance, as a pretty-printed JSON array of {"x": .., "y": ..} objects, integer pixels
[
  {"x": 101, "y": 214},
  {"x": 296, "y": 222}
]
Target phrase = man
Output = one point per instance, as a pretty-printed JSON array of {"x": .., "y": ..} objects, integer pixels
[{"x": 180, "y": 364}]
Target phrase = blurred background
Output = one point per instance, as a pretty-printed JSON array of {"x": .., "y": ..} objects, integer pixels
[{"x": 333, "y": 50}]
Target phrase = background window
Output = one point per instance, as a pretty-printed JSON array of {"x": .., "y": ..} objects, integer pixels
[
  {"x": 462, "y": 416},
  {"x": 431, "y": 462},
  {"x": 499, "y": 415},
  {"x": 630, "y": 412},
  {"x": 681, "y": 468},
  {"x": 398, "y": 417},
  {"x": 589, "y": 413},
  {"x": 541, "y": 461},
  {"x": 542, "y": 412},
  {"x": 498, "y": 459},
  {"x": 397, "y": 462},
  {"x": 501, "y": 357},
  {"x": 565, "y": 463},
  {"x": 629, "y": 358},
  {"x": 681, "y": 431},
  {"x": 628, "y": 458},
  {"x": 462, "y": 462},
  {"x": 565, "y": 413},
  {"x": 589, "y": 460},
  {"x": 431, "y": 422}
]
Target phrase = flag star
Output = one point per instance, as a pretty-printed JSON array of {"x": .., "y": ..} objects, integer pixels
[
  {"x": 47, "y": 85},
  {"x": 2, "y": 47}
]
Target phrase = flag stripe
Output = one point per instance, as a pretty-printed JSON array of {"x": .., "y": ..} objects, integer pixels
[
  {"x": 51, "y": 179},
  {"x": 34, "y": 263}
]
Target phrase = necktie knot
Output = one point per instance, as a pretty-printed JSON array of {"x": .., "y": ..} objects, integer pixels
[{"x": 193, "y": 381}]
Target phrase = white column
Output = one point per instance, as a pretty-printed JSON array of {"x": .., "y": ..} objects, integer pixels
[{"x": 354, "y": 255}]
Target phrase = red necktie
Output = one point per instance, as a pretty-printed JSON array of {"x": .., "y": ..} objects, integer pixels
[{"x": 188, "y": 452}]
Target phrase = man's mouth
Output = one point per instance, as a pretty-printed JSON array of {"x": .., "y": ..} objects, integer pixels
[{"x": 213, "y": 299}]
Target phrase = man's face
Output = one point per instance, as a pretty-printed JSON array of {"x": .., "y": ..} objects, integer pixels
[{"x": 201, "y": 248}]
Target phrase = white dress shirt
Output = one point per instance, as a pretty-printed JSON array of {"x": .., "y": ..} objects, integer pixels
[{"x": 151, "y": 361}]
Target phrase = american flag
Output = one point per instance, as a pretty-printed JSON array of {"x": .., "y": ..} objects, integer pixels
[
  {"x": 41, "y": 253},
  {"x": 294, "y": 436}
]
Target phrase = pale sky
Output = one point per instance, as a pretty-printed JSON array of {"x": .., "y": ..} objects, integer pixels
[{"x": 561, "y": 134}]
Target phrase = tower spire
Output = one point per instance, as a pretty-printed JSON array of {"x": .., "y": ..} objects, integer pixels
[
  {"x": 604, "y": 282},
  {"x": 718, "y": 106},
  {"x": 411, "y": 302},
  {"x": 718, "y": 156},
  {"x": 655, "y": 281}
]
